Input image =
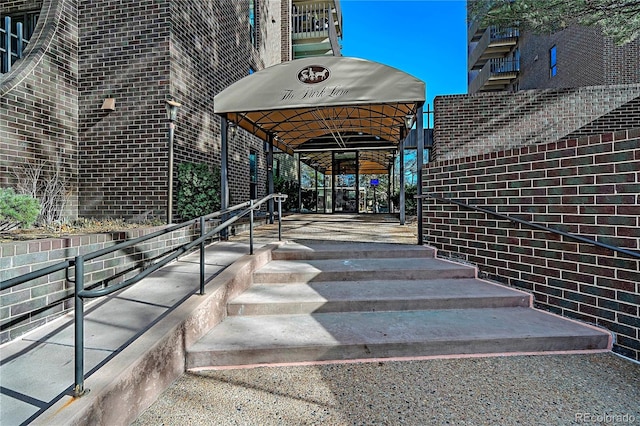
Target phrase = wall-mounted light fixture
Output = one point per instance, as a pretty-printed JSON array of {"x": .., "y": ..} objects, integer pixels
[
  {"x": 408, "y": 121},
  {"x": 109, "y": 104},
  {"x": 172, "y": 109}
]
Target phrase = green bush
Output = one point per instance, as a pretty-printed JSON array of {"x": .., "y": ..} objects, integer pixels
[
  {"x": 410, "y": 203},
  {"x": 198, "y": 190},
  {"x": 18, "y": 208},
  {"x": 288, "y": 187}
]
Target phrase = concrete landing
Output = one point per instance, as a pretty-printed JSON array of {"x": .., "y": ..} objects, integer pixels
[
  {"x": 133, "y": 345},
  {"x": 356, "y": 335}
]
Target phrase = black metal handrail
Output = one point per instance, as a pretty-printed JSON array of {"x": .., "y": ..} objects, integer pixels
[
  {"x": 170, "y": 255},
  {"x": 535, "y": 225}
]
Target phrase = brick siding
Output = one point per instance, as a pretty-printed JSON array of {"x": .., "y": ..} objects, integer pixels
[
  {"x": 286, "y": 44},
  {"x": 39, "y": 99},
  {"x": 584, "y": 58},
  {"x": 587, "y": 186},
  {"x": 467, "y": 125},
  {"x": 32, "y": 304},
  {"x": 141, "y": 53}
]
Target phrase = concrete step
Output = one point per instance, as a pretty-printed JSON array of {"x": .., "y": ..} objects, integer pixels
[
  {"x": 268, "y": 339},
  {"x": 375, "y": 295},
  {"x": 305, "y": 271},
  {"x": 353, "y": 250}
]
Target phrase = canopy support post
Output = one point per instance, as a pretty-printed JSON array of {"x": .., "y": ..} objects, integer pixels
[
  {"x": 389, "y": 178},
  {"x": 299, "y": 183},
  {"x": 270, "y": 175},
  {"x": 224, "y": 169},
  {"x": 420, "y": 162},
  {"x": 401, "y": 176}
]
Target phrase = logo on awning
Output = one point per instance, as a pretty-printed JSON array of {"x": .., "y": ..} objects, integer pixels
[{"x": 313, "y": 74}]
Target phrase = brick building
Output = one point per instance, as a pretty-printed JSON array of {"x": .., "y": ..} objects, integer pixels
[
  {"x": 512, "y": 59},
  {"x": 114, "y": 160},
  {"x": 549, "y": 134}
]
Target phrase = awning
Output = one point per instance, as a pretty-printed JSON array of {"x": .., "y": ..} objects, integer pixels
[{"x": 325, "y": 103}]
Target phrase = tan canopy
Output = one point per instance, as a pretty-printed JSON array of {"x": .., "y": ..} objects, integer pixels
[{"x": 325, "y": 103}]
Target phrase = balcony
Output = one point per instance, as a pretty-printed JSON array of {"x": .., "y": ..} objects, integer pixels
[
  {"x": 316, "y": 28},
  {"x": 494, "y": 43},
  {"x": 496, "y": 75}
]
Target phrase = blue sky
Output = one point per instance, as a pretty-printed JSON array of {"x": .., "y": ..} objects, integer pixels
[{"x": 425, "y": 38}]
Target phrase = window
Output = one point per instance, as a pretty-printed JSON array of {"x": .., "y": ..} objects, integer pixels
[
  {"x": 253, "y": 174},
  {"x": 553, "y": 62},
  {"x": 252, "y": 22},
  {"x": 28, "y": 20},
  {"x": 276, "y": 168}
]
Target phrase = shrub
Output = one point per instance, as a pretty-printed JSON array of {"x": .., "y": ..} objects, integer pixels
[
  {"x": 290, "y": 188},
  {"x": 410, "y": 203},
  {"x": 198, "y": 190},
  {"x": 17, "y": 209},
  {"x": 45, "y": 182}
]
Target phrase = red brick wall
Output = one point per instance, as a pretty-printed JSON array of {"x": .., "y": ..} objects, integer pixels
[
  {"x": 30, "y": 305},
  {"x": 588, "y": 186},
  {"x": 141, "y": 53},
  {"x": 584, "y": 58},
  {"x": 467, "y": 125},
  {"x": 38, "y": 98}
]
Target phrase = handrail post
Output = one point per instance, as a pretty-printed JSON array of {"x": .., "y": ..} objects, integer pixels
[
  {"x": 79, "y": 329},
  {"x": 202, "y": 232},
  {"x": 279, "y": 218},
  {"x": 251, "y": 227}
]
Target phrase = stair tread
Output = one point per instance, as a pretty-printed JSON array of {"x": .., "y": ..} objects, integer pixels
[
  {"x": 367, "y": 328},
  {"x": 319, "y": 250},
  {"x": 351, "y": 265},
  {"x": 373, "y": 290}
]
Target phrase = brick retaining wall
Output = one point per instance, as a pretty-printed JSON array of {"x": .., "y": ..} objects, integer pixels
[
  {"x": 29, "y": 305},
  {"x": 466, "y": 125},
  {"x": 588, "y": 186}
]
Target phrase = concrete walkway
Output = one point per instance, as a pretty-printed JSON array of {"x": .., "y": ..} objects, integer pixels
[
  {"x": 36, "y": 372},
  {"x": 514, "y": 390}
]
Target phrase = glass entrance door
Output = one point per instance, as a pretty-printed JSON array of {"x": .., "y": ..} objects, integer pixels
[{"x": 345, "y": 191}]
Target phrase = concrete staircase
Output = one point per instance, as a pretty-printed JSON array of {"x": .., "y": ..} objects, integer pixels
[{"x": 345, "y": 301}]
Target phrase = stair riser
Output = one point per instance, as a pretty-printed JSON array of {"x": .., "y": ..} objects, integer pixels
[
  {"x": 393, "y": 350},
  {"x": 376, "y": 254},
  {"x": 306, "y": 277},
  {"x": 375, "y": 305}
]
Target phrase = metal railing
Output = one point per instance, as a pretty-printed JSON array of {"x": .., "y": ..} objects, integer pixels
[
  {"x": 11, "y": 45},
  {"x": 574, "y": 237},
  {"x": 492, "y": 35},
  {"x": 311, "y": 20},
  {"x": 78, "y": 263},
  {"x": 505, "y": 68}
]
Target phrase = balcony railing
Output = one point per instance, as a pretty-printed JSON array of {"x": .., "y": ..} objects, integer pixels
[
  {"x": 493, "y": 37},
  {"x": 11, "y": 45},
  {"x": 500, "y": 72},
  {"x": 311, "y": 20}
]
